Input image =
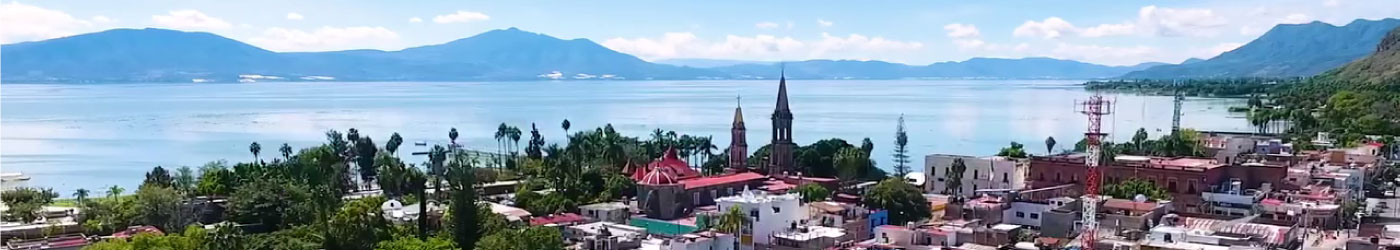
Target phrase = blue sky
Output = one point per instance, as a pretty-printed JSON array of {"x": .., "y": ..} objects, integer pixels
[{"x": 915, "y": 32}]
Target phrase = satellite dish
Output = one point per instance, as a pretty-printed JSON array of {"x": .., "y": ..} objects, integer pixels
[{"x": 1140, "y": 198}]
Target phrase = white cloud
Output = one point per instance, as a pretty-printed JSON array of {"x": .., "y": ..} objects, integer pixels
[
  {"x": 824, "y": 23},
  {"x": 29, "y": 23},
  {"x": 1177, "y": 22},
  {"x": 765, "y": 25},
  {"x": 102, "y": 19},
  {"x": 1050, "y": 28},
  {"x": 1152, "y": 20},
  {"x": 327, "y": 39},
  {"x": 461, "y": 16},
  {"x": 415, "y": 20},
  {"x": 958, "y": 30},
  {"x": 1218, "y": 49},
  {"x": 764, "y": 47},
  {"x": 191, "y": 20},
  {"x": 1331, "y": 3},
  {"x": 294, "y": 16}
]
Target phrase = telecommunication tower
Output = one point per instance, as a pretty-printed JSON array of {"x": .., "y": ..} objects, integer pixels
[{"x": 1095, "y": 108}]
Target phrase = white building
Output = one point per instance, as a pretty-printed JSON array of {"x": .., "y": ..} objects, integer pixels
[
  {"x": 615, "y": 212},
  {"x": 1024, "y": 213},
  {"x": 982, "y": 173},
  {"x": 768, "y": 214},
  {"x": 695, "y": 241}
]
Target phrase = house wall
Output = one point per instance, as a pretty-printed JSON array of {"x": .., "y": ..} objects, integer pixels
[
  {"x": 764, "y": 219},
  {"x": 1060, "y": 223},
  {"x": 981, "y": 173},
  {"x": 1025, "y": 213}
]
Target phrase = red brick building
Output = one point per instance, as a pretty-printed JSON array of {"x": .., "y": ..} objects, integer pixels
[{"x": 1184, "y": 178}]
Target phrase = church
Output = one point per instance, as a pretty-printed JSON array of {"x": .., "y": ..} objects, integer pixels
[{"x": 667, "y": 188}]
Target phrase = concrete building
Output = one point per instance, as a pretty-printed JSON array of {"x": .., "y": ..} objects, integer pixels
[
  {"x": 981, "y": 173},
  {"x": 615, "y": 212},
  {"x": 1197, "y": 233},
  {"x": 1183, "y": 178},
  {"x": 669, "y": 189},
  {"x": 857, "y": 221},
  {"x": 1025, "y": 213},
  {"x": 694, "y": 241},
  {"x": 605, "y": 236},
  {"x": 808, "y": 237},
  {"x": 1124, "y": 218},
  {"x": 1233, "y": 200},
  {"x": 768, "y": 214}
]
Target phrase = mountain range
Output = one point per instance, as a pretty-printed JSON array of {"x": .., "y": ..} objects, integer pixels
[
  {"x": 1286, "y": 50},
  {"x": 160, "y": 55}
]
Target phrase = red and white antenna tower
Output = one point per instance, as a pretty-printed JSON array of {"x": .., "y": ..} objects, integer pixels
[{"x": 1096, "y": 107}]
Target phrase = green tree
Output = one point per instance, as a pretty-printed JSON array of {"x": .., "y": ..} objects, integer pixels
[
  {"x": 216, "y": 181},
  {"x": 901, "y": 153},
  {"x": 903, "y": 201},
  {"x": 1016, "y": 150},
  {"x": 255, "y": 148},
  {"x": 286, "y": 150},
  {"x": 731, "y": 221},
  {"x": 535, "y": 149},
  {"x": 25, "y": 202},
  {"x": 452, "y": 136},
  {"x": 395, "y": 140},
  {"x": 955, "y": 175},
  {"x": 185, "y": 180},
  {"x": 159, "y": 177},
  {"x": 365, "y": 152},
  {"x": 274, "y": 203},
  {"x": 162, "y": 207},
  {"x": 358, "y": 225},
  {"x": 410, "y": 243},
  {"x": 1139, "y": 141},
  {"x": 852, "y": 164},
  {"x": 81, "y": 195},
  {"x": 1129, "y": 188},
  {"x": 811, "y": 192},
  {"x": 464, "y": 205},
  {"x": 1049, "y": 145}
]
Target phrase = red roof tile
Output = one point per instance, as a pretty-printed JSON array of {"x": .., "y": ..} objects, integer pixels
[
  {"x": 557, "y": 219},
  {"x": 720, "y": 179},
  {"x": 672, "y": 163}
]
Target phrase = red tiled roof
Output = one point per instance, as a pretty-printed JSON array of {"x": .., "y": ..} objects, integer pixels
[
  {"x": 720, "y": 179},
  {"x": 557, "y": 219},
  {"x": 658, "y": 176}
]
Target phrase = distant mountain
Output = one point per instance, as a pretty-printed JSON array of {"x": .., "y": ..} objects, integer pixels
[
  {"x": 1035, "y": 67},
  {"x": 706, "y": 63},
  {"x": 1192, "y": 60},
  {"x": 1379, "y": 71},
  {"x": 128, "y": 55},
  {"x": 158, "y": 55},
  {"x": 1286, "y": 50}
]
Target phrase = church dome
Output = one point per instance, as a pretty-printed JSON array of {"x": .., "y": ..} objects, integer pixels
[{"x": 658, "y": 176}]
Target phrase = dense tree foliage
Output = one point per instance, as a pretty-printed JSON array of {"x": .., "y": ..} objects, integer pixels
[
  {"x": 25, "y": 202},
  {"x": 812, "y": 192},
  {"x": 904, "y": 202},
  {"x": 1130, "y": 188}
]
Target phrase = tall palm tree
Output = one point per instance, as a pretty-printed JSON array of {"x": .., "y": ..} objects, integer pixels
[
  {"x": 1049, "y": 145},
  {"x": 452, "y": 135},
  {"x": 255, "y": 148},
  {"x": 395, "y": 140},
  {"x": 435, "y": 167},
  {"x": 114, "y": 192},
  {"x": 81, "y": 195},
  {"x": 286, "y": 152},
  {"x": 565, "y": 124},
  {"x": 732, "y": 222},
  {"x": 502, "y": 133}
]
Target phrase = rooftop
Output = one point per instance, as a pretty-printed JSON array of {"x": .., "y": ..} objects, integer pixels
[
  {"x": 810, "y": 232},
  {"x": 557, "y": 219},
  {"x": 751, "y": 196},
  {"x": 720, "y": 179},
  {"x": 1130, "y": 205}
]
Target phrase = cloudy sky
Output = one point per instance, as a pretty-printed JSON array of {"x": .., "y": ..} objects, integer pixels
[{"x": 915, "y": 32}]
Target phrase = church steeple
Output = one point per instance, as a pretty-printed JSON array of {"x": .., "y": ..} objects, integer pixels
[
  {"x": 780, "y": 159},
  {"x": 738, "y": 139}
]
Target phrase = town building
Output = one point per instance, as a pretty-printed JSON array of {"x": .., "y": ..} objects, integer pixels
[
  {"x": 615, "y": 212},
  {"x": 768, "y": 214},
  {"x": 1001, "y": 173},
  {"x": 670, "y": 189},
  {"x": 1184, "y": 178},
  {"x": 604, "y": 235}
]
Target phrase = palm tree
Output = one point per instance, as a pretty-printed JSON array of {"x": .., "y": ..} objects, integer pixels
[
  {"x": 1049, "y": 145},
  {"x": 286, "y": 151},
  {"x": 81, "y": 195},
  {"x": 515, "y": 140},
  {"x": 114, "y": 192},
  {"x": 502, "y": 133},
  {"x": 436, "y": 157},
  {"x": 395, "y": 140},
  {"x": 565, "y": 124},
  {"x": 732, "y": 222},
  {"x": 255, "y": 148},
  {"x": 452, "y": 135}
]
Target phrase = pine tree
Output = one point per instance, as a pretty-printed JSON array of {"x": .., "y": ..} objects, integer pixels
[{"x": 901, "y": 152}]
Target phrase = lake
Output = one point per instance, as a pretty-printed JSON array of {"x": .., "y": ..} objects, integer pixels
[{"x": 93, "y": 136}]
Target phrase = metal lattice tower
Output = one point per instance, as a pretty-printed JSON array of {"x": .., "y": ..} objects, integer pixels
[
  {"x": 1177, "y": 98},
  {"x": 1096, "y": 107}
]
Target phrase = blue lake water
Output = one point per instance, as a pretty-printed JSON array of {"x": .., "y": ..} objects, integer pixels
[{"x": 93, "y": 136}]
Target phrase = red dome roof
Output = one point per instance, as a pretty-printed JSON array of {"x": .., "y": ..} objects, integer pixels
[
  {"x": 674, "y": 166},
  {"x": 658, "y": 176}
]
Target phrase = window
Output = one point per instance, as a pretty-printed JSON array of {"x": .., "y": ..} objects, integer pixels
[
  {"x": 714, "y": 194},
  {"x": 1035, "y": 216},
  {"x": 1005, "y": 178},
  {"x": 729, "y": 191},
  {"x": 695, "y": 197},
  {"x": 1171, "y": 185},
  {"x": 754, "y": 214},
  {"x": 976, "y": 174},
  {"x": 1020, "y": 215},
  {"x": 1167, "y": 237},
  {"x": 1059, "y": 177},
  {"x": 1191, "y": 186},
  {"x": 1042, "y": 176}
]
